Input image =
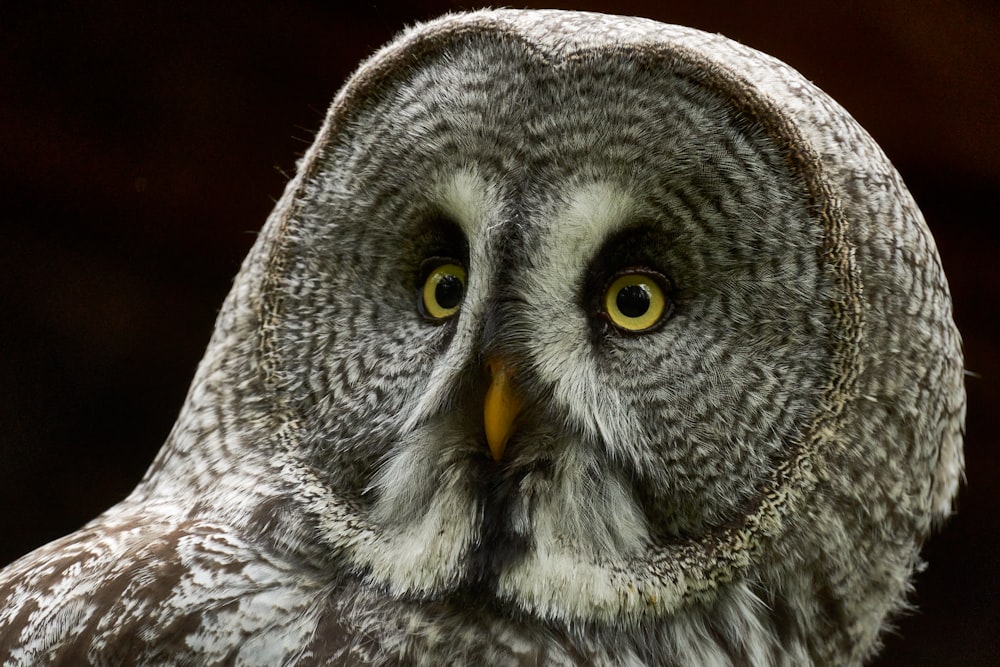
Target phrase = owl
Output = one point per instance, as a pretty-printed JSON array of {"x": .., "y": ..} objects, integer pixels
[{"x": 575, "y": 340}]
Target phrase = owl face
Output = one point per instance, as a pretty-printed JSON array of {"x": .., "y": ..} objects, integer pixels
[{"x": 607, "y": 264}]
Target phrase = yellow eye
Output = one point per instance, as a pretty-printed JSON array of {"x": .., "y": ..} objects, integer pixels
[
  {"x": 635, "y": 301},
  {"x": 441, "y": 296}
]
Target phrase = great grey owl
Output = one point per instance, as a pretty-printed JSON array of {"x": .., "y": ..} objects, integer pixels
[{"x": 575, "y": 340}]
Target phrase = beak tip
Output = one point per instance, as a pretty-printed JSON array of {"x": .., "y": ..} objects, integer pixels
[
  {"x": 496, "y": 447},
  {"x": 497, "y": 429}
]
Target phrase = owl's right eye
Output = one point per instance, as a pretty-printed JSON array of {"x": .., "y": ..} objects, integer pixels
[{"x": 443, "y": 288}]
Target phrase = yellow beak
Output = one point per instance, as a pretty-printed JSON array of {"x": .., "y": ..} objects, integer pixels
[{"x": 500, "y": 408}]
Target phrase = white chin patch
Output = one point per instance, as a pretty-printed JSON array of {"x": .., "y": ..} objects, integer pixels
[
  {"x": 581, "y": 527},
  {"x": 428, "y": 520}
]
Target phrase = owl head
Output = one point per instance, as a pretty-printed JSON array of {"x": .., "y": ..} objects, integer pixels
[{"x": 592, "y": 321}]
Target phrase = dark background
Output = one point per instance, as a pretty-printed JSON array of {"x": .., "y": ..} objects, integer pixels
[{"x": 142, "y": 145}]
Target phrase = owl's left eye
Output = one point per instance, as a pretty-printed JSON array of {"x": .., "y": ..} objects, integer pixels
[
  {"x": 636, "y": 300},
  {"x": 443, "y": 288}
]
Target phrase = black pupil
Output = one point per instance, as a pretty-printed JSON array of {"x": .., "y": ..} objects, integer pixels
[
  {"x": 448, "y": 291},
  {"x": 633, "y": 300}
]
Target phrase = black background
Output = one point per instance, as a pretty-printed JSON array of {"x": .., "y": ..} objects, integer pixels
[{"x": 142, "y": 146}]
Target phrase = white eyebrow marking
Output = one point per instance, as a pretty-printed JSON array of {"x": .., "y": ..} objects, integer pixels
[
  {"x": 474, "y": 204},
  {"x": 575, "y": 233},
  {"x": 594, "y": 212},
  {"x": 469, "y": 200}
]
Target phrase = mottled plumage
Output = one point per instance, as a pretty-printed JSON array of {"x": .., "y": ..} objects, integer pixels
[{"x": 746, "y": 479}]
